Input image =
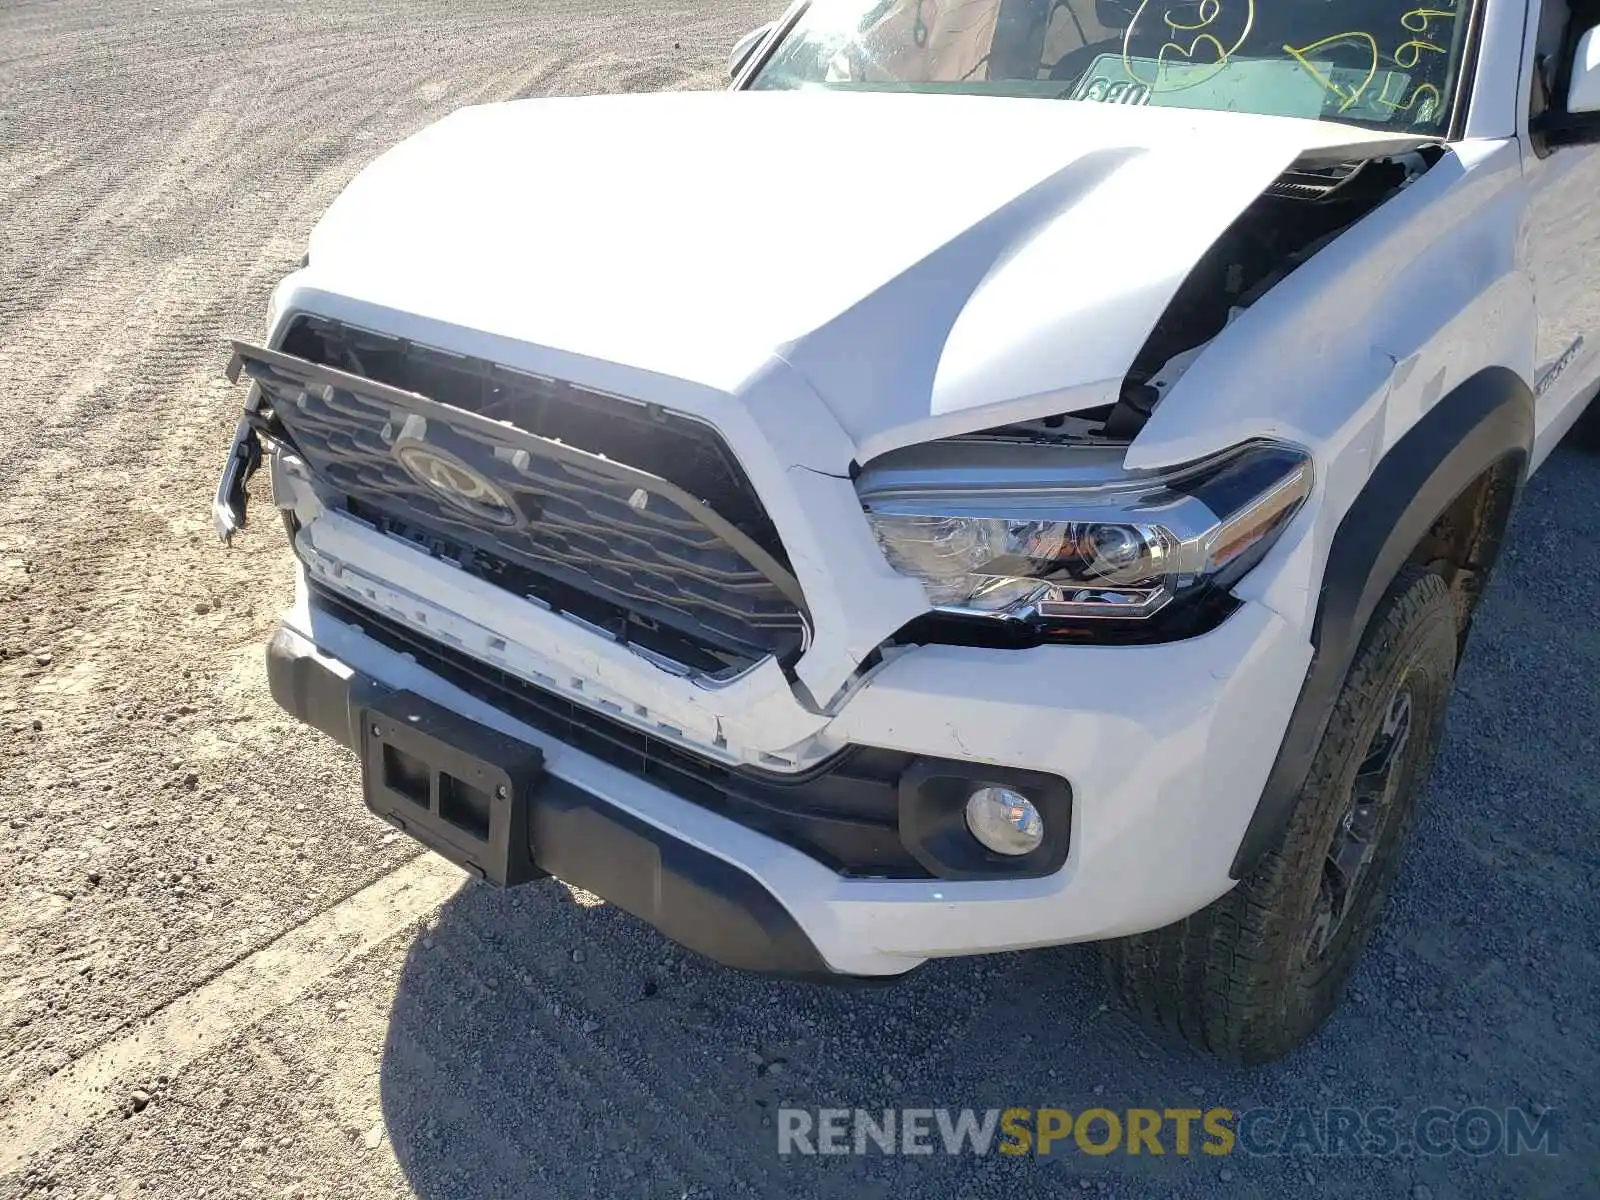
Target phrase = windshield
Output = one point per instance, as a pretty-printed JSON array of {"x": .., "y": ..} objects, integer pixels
[{"x": 1386, "y": 63}]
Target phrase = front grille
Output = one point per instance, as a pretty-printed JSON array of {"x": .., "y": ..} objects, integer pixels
[
  {"x": 577, "y": 534},
  {"x": 845, "y": 813}
]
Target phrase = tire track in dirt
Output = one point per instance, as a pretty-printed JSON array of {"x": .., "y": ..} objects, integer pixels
[
  {"x": 220, "y": 1009},
  {"x": 168, "y": 167},
  {"x": 236, "y": 162}
]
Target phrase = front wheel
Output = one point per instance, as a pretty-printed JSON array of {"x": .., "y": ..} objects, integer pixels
[
  {"x": 1586, "y": 433},
  {"x": 1254, "y": 974}
]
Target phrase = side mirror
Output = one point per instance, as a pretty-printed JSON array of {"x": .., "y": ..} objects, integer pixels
[
  {"x": 1583, "y": 92},
  {"x": 1577, "y": 121},
  {"x": 746, "y": 46}
]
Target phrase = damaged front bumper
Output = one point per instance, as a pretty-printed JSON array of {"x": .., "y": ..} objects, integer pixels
[
  {"x": 694, "y": 897},
  {"x": 1164, "y": 781}
]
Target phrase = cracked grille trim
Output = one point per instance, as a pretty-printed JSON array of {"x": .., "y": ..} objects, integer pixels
[{"x": 679, "y": 556}]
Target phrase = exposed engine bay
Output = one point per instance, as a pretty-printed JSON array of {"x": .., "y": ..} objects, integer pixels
[{"x": 1296, "y": 216}]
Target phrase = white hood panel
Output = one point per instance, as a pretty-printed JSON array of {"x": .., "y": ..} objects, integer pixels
[{"x": 931, "y": 264}]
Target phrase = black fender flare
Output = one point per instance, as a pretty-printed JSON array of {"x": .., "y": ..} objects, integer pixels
[{"x": 1485, "y": 421}]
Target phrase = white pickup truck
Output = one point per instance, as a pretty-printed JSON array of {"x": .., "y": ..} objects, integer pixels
[{"x": 1006, "y": 473}]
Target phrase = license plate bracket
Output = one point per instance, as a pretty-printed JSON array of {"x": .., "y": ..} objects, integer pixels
[{"x": 460, "y": 788}]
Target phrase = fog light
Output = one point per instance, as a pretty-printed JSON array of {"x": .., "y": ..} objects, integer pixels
[{"x": 1005, "y": 821}]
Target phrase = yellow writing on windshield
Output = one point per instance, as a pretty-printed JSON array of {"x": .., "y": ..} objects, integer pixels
[
  {"x": 1212, "y": 49},
  {"x": 1204, "y": 38},
  {"x": 1417, "y": 19},
  {"x": 1208, "y": 12},
  {"x": 1425, "y": 97},
  {"x": 1345, "y": 94},
  {"x": 1407, "y": 54}
]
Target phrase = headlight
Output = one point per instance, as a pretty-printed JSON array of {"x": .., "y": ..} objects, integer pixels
[{"x": 1064, "y": 533}]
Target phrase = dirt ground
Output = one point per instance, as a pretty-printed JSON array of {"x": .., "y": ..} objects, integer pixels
[{"x": 219, "y": 976}]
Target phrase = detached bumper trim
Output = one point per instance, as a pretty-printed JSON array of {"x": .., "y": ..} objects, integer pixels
[{"x": 700, "y": 901}]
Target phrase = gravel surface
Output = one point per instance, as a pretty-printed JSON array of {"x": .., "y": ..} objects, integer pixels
[{"x": 219, "y": 976}]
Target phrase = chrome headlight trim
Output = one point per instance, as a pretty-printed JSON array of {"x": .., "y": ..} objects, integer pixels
[{"x": 1042, "y": 533}]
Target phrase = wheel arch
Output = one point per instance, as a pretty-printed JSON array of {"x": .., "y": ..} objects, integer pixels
[{"x": 1440, "y": 497}]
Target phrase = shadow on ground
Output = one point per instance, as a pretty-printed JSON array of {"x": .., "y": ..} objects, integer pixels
[{"x": 542, "y": 1046}]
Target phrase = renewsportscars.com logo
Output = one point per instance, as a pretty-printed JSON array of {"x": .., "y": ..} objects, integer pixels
[{"x": 1260, "y": 1132}]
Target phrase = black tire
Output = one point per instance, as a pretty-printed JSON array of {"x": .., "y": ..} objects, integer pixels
[
  {"x": 1251, "y": 976},
  {"x": 1586, "y": 433}
]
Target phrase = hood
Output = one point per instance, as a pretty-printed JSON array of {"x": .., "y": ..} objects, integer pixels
[{"x": 930, "y": 264}]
